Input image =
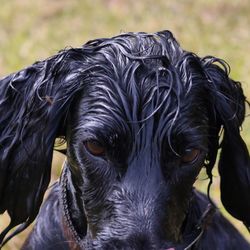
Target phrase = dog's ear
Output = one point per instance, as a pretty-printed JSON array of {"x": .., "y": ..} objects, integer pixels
[
  {"x": 227, "y": 106},
  {"x": 33, "y": 107}
]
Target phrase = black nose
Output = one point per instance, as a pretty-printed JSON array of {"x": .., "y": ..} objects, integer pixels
[{"x": 133, "y": 242}]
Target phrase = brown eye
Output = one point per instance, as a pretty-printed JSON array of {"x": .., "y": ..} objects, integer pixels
[
  {"x": 190, "y": 155},
  {"x": 95, "y": 148}
]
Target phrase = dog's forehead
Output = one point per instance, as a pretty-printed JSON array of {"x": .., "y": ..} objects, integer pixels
[
  {"x": 134, "y": 90},
  {"x": 135, "y": 78},
  {"x": 132, "y": 65}
]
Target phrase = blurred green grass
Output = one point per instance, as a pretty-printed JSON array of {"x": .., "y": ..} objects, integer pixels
[{"x": 33, "y": 30}]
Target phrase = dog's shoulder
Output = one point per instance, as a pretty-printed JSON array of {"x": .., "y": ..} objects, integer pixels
[
  {"x": 48, "y": 229},
  {"x": 217, "y": 228}
]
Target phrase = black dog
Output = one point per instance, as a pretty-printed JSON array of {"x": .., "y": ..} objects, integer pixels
[{"x": 141, "y": 117}]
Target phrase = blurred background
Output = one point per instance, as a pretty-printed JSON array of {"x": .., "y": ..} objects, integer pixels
[{"x": 34, "y": 30}]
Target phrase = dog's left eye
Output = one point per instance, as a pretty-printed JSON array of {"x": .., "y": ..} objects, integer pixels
[
  {"x": 190, "y": 155},
  {"x": 95, "y": 148}
]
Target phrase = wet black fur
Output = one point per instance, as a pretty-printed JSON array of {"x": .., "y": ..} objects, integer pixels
[{"x": 146, "y": 101}]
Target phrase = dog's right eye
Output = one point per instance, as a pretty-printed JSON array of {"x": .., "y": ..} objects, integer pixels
[{"x": 95, "y": 148}]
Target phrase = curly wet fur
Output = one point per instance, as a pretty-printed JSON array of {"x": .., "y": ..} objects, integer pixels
[{"x": 146, "y": 101}]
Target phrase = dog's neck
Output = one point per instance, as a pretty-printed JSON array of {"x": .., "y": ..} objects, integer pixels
[{"x": 74, "y": 228}]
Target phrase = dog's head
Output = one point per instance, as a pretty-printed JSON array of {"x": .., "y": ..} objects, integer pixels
[{"x": 141, "y": 117}]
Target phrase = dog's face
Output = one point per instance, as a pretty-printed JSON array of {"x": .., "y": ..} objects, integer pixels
[
  {"x": 141, "y": 117},
  {"x": 138, "y": 137}
]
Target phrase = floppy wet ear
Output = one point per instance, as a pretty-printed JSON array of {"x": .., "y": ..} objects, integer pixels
[
  {"x": 228, "y": 102},
  {"x": 33, "y": 106}
]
